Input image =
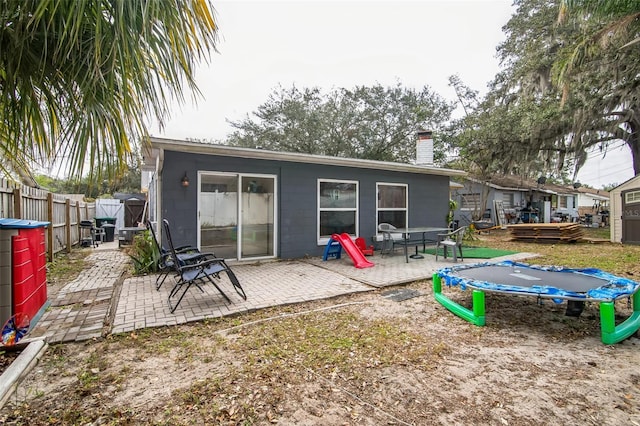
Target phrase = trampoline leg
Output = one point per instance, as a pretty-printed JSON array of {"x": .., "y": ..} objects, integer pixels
[
  {"x": 478, "y": 305},
  {"x": 475, "y": 316},
  {"x": 610, "y": 332}
]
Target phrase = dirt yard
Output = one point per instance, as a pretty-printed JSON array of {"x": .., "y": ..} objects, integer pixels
[{"x": 355, "y": 360}]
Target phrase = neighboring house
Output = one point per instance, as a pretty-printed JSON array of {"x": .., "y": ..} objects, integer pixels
[
  {"x": 593, "y": 204},
  {"x": 252, "y": 204},
  {"x": 624, "y": 202},
  {"x": 511, "y": 199}
]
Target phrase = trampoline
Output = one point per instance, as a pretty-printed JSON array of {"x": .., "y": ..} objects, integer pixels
[{"x": 551, "y": 282}]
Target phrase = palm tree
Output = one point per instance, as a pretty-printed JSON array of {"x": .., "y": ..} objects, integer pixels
[{"x": 79, "y": 79}]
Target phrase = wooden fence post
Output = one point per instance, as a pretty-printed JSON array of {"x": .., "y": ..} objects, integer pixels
[
  {"x": 78, "y": 219},
  {"x": 17, "y": 203},
  {"x": 67, "y": 220},
  {"x": 51, "y": 226}
]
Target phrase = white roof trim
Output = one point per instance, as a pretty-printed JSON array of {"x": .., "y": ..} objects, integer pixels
[
  {"x": 593, "y": 196},
  {"x": 230, "y": 151}
]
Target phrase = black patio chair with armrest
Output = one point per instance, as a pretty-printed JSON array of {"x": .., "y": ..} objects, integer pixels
[
  {"x": 206, "y": 270},
  {"x": 185, "y": 254},
  {"x": 451, "y": 239}
]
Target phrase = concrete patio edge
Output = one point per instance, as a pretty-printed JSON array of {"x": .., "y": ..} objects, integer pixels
[{"x": 18, "y": 370}]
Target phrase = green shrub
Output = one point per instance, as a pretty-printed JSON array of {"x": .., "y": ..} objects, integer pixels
[{"x": 144, "y": 253}]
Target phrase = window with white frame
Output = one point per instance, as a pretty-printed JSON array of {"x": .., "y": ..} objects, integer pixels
[
  {"x": 632, "y": 197},
  {"x": 393, "y": 204},
  {"x": 470, "y": 201},
  {"x": 562, "y": 201},
  {"x": 337, "y": 208},
  {"x": 507, "y": 200}
]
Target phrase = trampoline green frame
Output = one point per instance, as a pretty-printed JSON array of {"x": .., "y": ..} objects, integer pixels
[{"x": 611, "y": 333}]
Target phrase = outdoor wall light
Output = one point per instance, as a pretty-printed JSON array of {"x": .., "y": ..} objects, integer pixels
[{"x": 185, "y": 180}]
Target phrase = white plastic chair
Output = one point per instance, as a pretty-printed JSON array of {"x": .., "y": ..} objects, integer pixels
[
  {"x": 389, "y": 239},
  {"x": 451, "y": 239}
]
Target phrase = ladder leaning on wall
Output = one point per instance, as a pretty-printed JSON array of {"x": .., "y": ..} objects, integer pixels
[{"x": 501, "y": 219}]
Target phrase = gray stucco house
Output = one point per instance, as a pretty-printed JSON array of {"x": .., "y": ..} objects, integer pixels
[
  {"x": 250, "y": 204},
  {"x": 510, "y": 199}
]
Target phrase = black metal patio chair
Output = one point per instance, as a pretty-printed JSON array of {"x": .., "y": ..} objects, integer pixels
[
  {"x": 204, "y": 271},
  {"x": 185, "y": 254}
]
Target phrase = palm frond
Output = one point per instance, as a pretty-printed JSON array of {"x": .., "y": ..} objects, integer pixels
[{"x": 80, "y": 77}]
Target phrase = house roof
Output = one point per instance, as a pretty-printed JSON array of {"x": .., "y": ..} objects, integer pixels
[
  {"x": 158, "y": 145},
  {"x": 123, "y": 196},
  {"x": 517, "y": 183},
  {"x": 629, "y": 182},
  {"x": 599, "y": 194}
]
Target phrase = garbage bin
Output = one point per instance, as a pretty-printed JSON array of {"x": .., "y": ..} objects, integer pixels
[
  {"x": 109, "y": 232},
  {"x": 23, "y": 268},
  {"x": 100, "y": 221}
]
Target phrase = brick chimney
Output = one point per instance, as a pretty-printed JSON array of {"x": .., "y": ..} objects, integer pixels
[{"x": 424, "y": 148}]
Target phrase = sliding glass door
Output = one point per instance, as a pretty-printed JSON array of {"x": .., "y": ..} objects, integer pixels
[
  {"x": 257, "y": 216},
  {"x": 218, "y": 213},
  {"x": 237, "y": 215}
]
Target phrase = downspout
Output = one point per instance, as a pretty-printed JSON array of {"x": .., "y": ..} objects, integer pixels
[{"x": 159, "y": 169}]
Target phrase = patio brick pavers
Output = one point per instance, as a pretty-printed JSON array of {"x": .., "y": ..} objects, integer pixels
[
  {"x": 78, "y": 311},
  {"x": 265, "y": 284}
]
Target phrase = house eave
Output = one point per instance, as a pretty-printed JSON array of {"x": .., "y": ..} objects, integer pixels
[
  {"x": 556, "y": 190},
  {"x": 500, "y": 187},
  {"x": 251, "y": 153}
]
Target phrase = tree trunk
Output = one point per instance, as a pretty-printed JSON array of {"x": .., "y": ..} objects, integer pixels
[{"x": 634, "y": 145}]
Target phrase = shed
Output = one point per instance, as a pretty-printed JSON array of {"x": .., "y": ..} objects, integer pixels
[
  {"x": 249, "y": 204},
  {"x": 624, "y": 203}
]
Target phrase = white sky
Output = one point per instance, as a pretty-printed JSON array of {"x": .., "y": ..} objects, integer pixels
[{"x": 333, "y": 44}]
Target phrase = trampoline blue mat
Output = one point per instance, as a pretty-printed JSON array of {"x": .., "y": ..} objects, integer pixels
[{"x": 546, "y": 281}]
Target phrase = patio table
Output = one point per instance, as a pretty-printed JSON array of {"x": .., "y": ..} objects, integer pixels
[
  {"x": 406, "y": 241},
  {"x": 127, "y": 233}
]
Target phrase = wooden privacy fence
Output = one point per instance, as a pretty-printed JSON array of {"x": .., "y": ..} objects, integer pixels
[{"x": 63, "y": 213}]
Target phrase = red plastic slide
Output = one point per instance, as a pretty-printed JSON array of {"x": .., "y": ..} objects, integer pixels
[{"x": 354, "y": 252}]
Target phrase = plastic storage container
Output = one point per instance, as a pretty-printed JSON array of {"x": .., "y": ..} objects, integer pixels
[
  {"x": 100, "y": 221},
  {"x": 109, "y": 232},
  {"x": 23, "y": 268}
]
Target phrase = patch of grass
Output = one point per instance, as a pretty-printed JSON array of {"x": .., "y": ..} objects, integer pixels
[
  {"x": 618, "y": 259},
  {"x": 601, "y": 233},
  {"x": 339, "y": 346},
  {"x": 57, "y": 355},
  {"x": 66, "y": 267},
  {"x": 87, "y": 379}
]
